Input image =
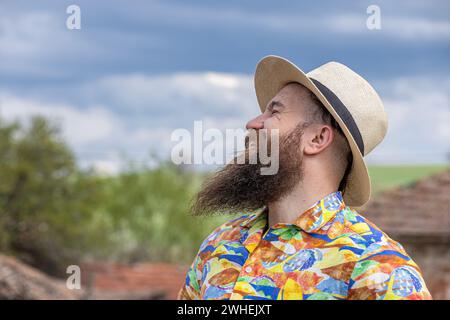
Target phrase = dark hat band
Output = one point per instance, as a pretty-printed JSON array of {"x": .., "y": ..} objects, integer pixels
[{"x": 343, "y": 113}]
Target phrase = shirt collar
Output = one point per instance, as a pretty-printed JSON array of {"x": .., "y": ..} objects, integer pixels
[{"x": 312, "y": 219}]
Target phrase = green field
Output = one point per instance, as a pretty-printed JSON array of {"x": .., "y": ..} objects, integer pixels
[{"x": 386, "y": 177}]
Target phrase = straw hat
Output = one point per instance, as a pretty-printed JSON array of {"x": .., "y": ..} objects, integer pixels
[{"x": 349, "y": 98}]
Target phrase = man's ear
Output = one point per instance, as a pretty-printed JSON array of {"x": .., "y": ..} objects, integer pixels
[{"x": 317, "y": 138}]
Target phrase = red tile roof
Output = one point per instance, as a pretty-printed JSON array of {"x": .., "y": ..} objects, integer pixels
[
  {"x": 419, "y": 209},
  {"x": 139, "y": 281}
]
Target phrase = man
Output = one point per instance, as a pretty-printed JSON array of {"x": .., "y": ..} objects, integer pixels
[{"x": 301, "y": 236}]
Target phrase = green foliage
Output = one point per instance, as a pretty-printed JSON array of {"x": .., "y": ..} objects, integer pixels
[
  {"x": 149, "y": 209},
  {"x": 45, "y": 202},
  {"x": 53, "y": 214}
]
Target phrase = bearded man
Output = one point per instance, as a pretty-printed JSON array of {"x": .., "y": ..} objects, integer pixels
[{"x": 299, "y": 235}]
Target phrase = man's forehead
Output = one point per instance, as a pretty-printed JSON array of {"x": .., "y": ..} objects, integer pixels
[{"x": 291, "y": 95}]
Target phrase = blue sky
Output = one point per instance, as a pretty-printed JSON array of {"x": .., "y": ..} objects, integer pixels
[{"x": 138, "y": 70}]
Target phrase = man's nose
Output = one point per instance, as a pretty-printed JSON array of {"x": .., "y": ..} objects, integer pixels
[{"x": 255, "y": 123}]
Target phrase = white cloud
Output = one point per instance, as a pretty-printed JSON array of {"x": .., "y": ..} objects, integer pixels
[
  {"x": 419, "y": 120},
  {"x": 20, "y": 34},
  {"x": 400, "y": 27},
  {"x": 395, "y": 23},
  {"x": 98, "y": 136},
  {"x": 33, "y": 40},
  {"x": 134, "y": 114},
  {"x": 128, "y": 116},
  {"x": 188, "y": 93},
  {"x": 80, "y": 126},
  {"x": 419, "y": 28}
]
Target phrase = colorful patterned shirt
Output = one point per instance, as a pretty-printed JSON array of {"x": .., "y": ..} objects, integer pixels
[{"x": 329, "y": 252}]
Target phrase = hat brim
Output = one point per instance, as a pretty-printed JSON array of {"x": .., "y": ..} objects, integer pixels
[{"x": 271, "y": 75}]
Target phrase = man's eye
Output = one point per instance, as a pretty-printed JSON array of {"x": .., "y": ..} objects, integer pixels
[{"x": 275, "y": 111}]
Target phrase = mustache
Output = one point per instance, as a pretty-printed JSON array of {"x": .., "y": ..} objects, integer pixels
[
  {"x": 259, "y": 144},
  {"x": 242, "y": 187},
  {"x": 255, "y": 137}
]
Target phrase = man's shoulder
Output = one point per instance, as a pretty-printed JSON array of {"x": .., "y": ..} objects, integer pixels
[
  {"x": 229, "y": 230},
  {"x": 238, "y": 222},
  {"x": 382, "y": 263},
  {"x": 370, "y": 237}
]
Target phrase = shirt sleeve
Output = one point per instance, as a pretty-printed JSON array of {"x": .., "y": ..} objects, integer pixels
[
  {"x": 191, "y": 288},
  {"x": 386, "y": 272}
]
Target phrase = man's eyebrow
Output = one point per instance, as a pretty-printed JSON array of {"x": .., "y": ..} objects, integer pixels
[{"x": 275, "y": 103}]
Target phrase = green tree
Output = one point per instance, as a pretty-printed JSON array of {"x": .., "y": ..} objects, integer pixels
[
  {"x": 150, "y": 208},
  {"x": 45, "y": 202},
  {"x": 52, "y": 214}
]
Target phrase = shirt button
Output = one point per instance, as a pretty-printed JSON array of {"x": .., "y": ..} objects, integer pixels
[{"x": 248, "y": 269}]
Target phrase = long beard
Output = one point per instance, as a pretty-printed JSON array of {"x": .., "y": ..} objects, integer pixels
[{"x": 242, "y": 187}]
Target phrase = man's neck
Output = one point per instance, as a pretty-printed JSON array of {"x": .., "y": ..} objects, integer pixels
[{"x": 303, "y": 196}]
